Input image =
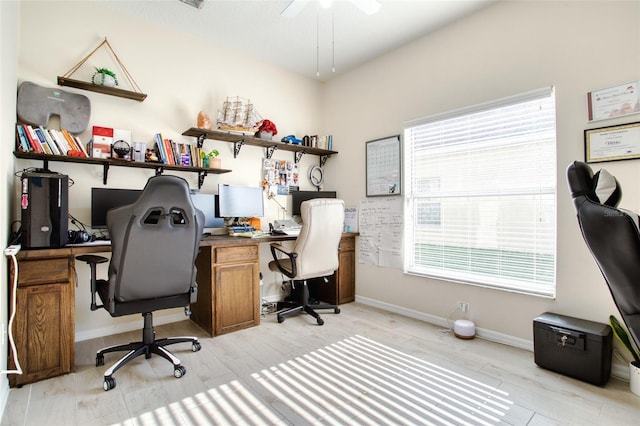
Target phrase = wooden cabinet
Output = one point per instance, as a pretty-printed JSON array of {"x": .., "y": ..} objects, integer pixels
[
  {"x": 341, "y": 287},
  {"x": 228, "y": 288},
  {"x": 43, "y": 327}
]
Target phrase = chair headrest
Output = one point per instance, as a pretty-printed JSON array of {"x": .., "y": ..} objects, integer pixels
[
  {"x": 601, "y": 188},
  {"x": 606, "y": 188}
]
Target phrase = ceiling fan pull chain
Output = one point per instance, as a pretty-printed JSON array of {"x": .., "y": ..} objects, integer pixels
[{"x": 333, "y": 40}]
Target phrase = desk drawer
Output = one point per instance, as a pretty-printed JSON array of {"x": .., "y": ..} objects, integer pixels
[
  {"x": 44, "y": 271},
  {"x": 236, "y": 254}
]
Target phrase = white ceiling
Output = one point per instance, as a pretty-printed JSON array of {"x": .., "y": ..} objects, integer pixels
[{"x": 303, "y": 44}]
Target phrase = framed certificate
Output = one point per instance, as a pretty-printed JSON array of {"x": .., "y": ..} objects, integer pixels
[
  {"x": 384, "y": 167},
  {"x": 616, "y": 101},
  {"x": 612, "y": 143}
]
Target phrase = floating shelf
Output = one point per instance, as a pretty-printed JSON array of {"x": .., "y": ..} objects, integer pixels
[
  {"x": 107, "y": 162},
  {"x": 136, "y": 96},
  {"x": 239, "y": 140}
]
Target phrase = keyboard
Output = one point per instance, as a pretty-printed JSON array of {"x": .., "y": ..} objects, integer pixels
[{"x": 91, "y": 243}]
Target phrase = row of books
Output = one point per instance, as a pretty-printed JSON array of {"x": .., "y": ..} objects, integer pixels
[
  {"x": 48, "y": 141},
  {"x": 177, "y": 153},
  {"x": 321, "y": 142}
]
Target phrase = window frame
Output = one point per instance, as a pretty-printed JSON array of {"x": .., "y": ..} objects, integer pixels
[{"x": 544, "y": 282}]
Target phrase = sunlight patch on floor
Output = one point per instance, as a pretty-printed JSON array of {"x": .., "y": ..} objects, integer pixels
[{"x": 353, "y": 381}]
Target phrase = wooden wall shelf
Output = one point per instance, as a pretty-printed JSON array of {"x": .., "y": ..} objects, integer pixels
[
  {"x": 270, "y": 146},
  {"x": 136, "y": 96},
  {"x": 107, "y": 162}
]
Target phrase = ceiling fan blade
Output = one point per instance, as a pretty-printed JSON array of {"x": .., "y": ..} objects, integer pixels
[
  {"x": 369, "y": 7},
  {"x": 294, "y": 8}
]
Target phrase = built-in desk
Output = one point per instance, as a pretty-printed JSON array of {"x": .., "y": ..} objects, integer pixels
[{"x": 228, "y": 297}]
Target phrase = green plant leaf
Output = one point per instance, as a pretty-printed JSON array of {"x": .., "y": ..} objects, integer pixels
[{"x": 622, "y": 335}]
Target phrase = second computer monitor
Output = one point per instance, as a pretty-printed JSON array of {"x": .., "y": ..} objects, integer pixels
[
  {"x": 240, "y": 201},
  {"x": 207, "y": 204},
  {"x": 298, "y": 197}
]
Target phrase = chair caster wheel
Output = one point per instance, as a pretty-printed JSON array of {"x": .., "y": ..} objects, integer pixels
[
  {"x": 109, "y": 383},
  {"x": 196, "y": 346},
  {"x": 280, "y": 319},
  {"x": 99, "y": 360},
  {"x": 336, "y": 310},
  {"x": 179, "y": 371},
  {"x": 320, "y": 321}
]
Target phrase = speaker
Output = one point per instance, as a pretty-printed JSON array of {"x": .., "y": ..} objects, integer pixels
[{"x": 45, "y": 209}]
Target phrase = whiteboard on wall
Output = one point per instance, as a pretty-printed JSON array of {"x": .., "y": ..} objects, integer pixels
[
  {"x": 383, "y": 175},
  {"x": 380, "y": 227}
]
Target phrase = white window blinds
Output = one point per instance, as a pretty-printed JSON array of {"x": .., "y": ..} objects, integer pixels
[{"x": 481, "y": 194}]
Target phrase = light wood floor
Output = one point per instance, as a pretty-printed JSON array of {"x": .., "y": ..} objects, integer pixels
[{"x": 364, "y": 366}]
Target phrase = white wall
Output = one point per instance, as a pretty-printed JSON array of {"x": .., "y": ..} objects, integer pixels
[
  {"x": 506, "y": 49},
  {"x": 181, "y": 76}
]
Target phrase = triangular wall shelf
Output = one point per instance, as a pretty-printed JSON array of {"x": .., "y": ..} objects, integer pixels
[{"x": 65, "y": 80}]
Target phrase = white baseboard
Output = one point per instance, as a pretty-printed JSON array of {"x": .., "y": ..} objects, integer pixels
[
  {"x": 618, "y": 371},
  {"x": 125, "y": 327}
]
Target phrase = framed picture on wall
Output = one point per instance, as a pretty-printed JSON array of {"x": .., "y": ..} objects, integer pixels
[
  {"x": 612, "y": 143},
  {"x": 384, "y": 167}
]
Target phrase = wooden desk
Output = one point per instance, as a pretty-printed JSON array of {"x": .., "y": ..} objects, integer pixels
[{"x": 228, "y": 297}]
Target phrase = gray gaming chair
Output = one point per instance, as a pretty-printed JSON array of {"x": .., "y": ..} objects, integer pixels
[
  {"x": 315, "y": 254},
  {"x": 612, "y": 237},
  {"x": 154, "y": 243}
]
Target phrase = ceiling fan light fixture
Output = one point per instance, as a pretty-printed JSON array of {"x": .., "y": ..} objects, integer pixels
[{"x": 195, "y": 3}]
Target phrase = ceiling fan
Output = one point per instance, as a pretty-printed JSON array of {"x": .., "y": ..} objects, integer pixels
[{"x": 369, "y": 7}]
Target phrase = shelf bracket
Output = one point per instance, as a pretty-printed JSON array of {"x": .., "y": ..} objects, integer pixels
[
  {"x": 201, "y": 175},
  {"x": 236, "y": 147},
  {"x": 323, "y": 159},
  {"x": 105, "y": 173},
  {"x": 201, "y": 139},
  {"x": 298, "y": 156},
  {"x": 270, "y": 151},
  {"x": 159, "y": 170}
]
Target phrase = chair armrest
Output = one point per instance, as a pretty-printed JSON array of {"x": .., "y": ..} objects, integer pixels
[
  {"x": 93, "y": 260},
  {"x": 276, "y": 250}
]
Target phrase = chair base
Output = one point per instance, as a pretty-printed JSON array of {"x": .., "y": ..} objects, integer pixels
[
  {"x": 147, "y": 347},
  {"x": 287, "y": 308}
]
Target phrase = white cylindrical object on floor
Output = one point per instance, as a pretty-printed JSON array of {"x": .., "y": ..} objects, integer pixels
[{"x": 464, "y": 329}]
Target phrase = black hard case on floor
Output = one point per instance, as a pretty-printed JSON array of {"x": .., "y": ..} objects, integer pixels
[{"x": 574, "y": 347}]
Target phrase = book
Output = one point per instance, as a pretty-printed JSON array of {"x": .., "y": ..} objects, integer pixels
[
  {"x": 168, "y": 149},
  {"x": 72, "y": 143},
  {"x": 60, "y": 140},
  {"x": 102, "y": 139},
  {"x": 43, "y": 141},
  {"x": 52, "y": 145},
  {"x": 80, "y": 144},
  {"x": 23, "y": 142},
  {"x": 159, "y": 146},
  {"x": 33, "y": 138}
]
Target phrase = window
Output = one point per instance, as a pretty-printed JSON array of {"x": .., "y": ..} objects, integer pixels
[{"x": 481, "y": 194}]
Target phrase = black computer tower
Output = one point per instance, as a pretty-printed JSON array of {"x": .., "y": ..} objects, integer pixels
[{"x": 44, "y": 201}]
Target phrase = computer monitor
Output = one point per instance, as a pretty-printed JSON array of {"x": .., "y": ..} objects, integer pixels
[
  {"x": 298, "y": 197},
  {"x": 207, "y": 204},
  {"x": 105, "y": 199},
  {"x": 240, "y": 201}
]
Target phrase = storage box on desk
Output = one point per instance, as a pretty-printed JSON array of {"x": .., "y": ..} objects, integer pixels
[{"x": 574, "y": 347}]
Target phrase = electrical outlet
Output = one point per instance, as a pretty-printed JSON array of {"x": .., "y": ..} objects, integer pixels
[{"x": 463, "y": 306}]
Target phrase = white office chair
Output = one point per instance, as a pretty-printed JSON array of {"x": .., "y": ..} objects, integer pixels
[{"x": 315, "y": 254}]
